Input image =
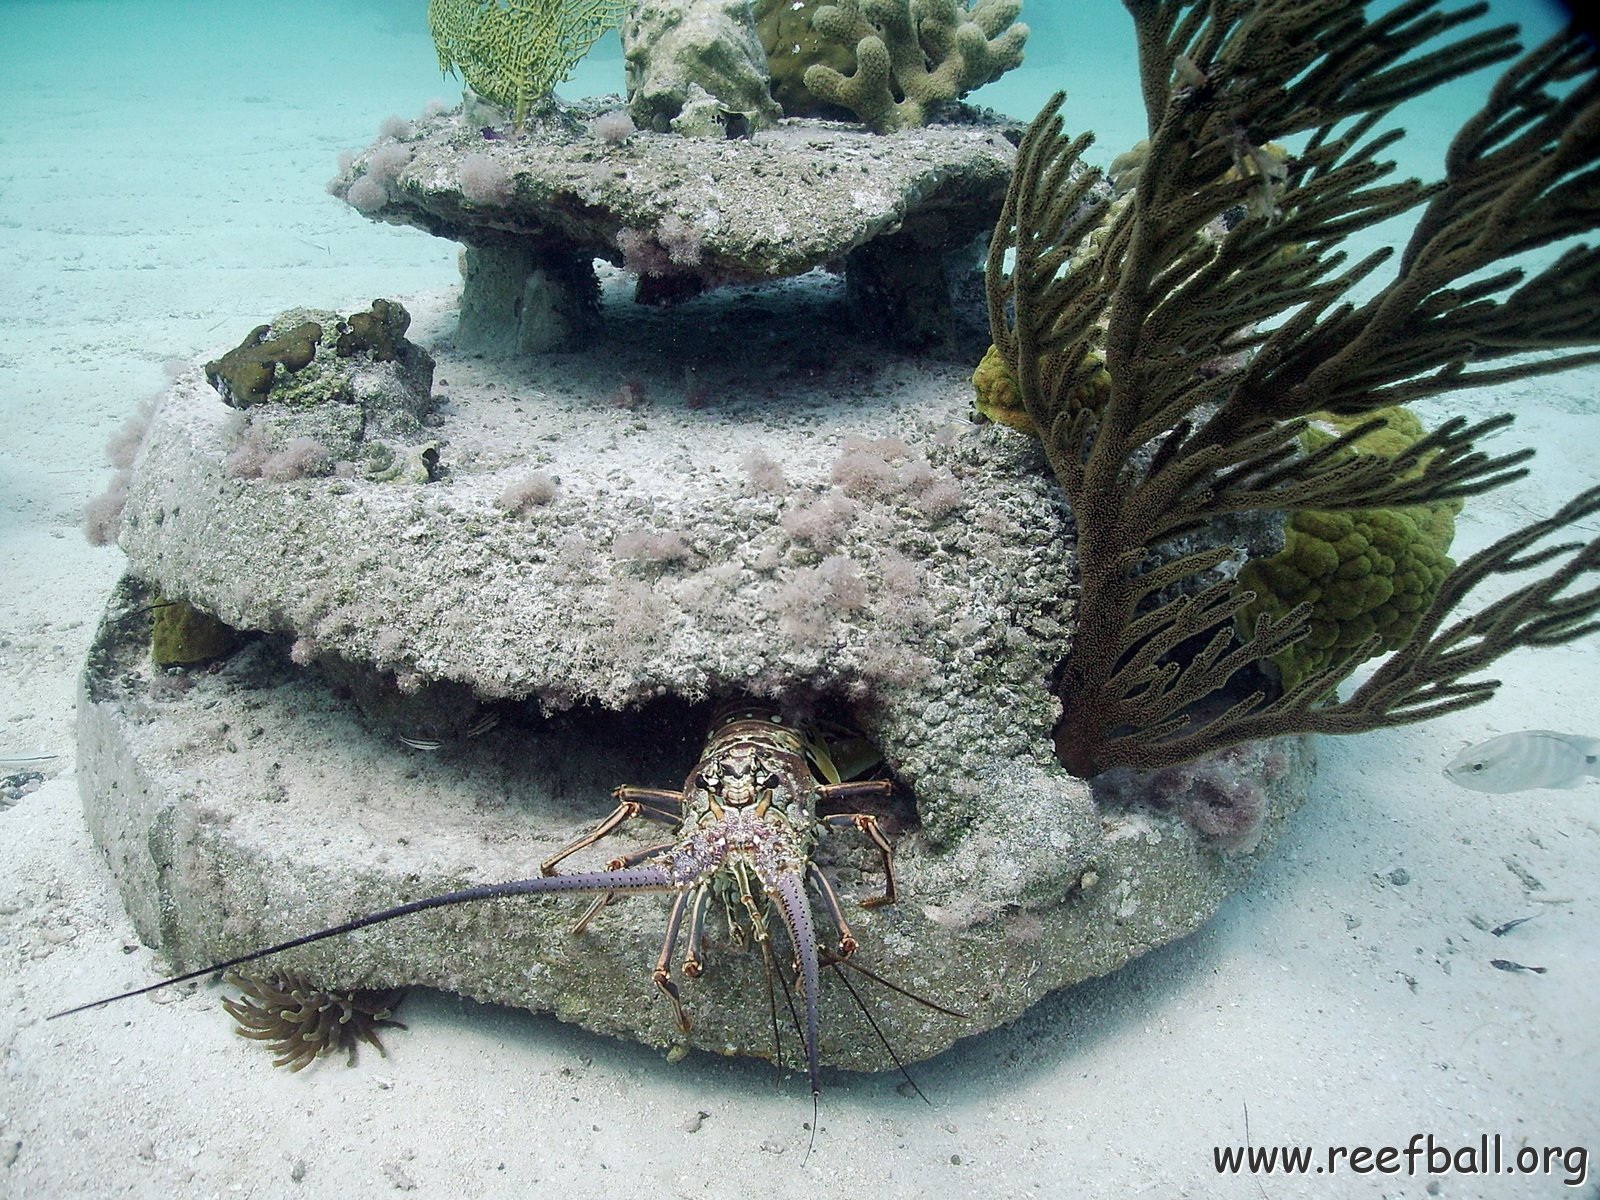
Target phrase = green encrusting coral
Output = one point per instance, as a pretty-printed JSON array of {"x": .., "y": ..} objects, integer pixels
[
  {"x": 514, "y": 52},
  {"x": 272, "y": 366},
  {"x": 379, "y": 332},
  {"x": 1368, "y": 575}
]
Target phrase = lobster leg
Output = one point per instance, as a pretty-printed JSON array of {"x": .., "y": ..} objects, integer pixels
[
  {"x": 662, "y": 975},
  {"x": 590, "y": 913},
  {"x": 830, "y": 901},
  {"x": 634, "y": 857},
  {"x": 753, "y": 910},
  {"x": 692, "y": 966},
  {"x": 864, "y": 789},
  {"x": 616, "y": 864},
  {"x": 868, "y": 824},
  {"x": 628, "y": 792},
  {"x": 630, "y": 805}
]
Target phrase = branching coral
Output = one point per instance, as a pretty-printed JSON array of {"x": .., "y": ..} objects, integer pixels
[
  {"x": 301, "y": 1022},
  {"x": 1218, "y": 349},
  {"x": 514, "y": 52},
  {"x": 913, "y": 54}
]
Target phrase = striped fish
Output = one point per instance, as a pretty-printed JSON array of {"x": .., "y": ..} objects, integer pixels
[{"x": 1529, "y": 758}]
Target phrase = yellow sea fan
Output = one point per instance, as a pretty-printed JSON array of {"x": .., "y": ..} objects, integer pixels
[{"x": 514, "y": 52}]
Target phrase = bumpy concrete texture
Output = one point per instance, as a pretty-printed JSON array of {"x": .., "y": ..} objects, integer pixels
[
  {"x": 594, "y": 572},
  {"x": 259, "y": 804},
  {"x": 683, "y": 214}
]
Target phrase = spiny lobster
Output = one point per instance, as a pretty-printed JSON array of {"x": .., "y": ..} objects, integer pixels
[{"x": 745, "y": 826}]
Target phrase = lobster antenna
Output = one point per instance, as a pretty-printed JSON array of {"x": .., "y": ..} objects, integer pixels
[
  {"x": 772, "y": 1009},
  {"x": 794, "y": 1015},
  {"x": 872, "y": 1021},
  {"x": 836, "y": 961},
  {"x": 811, "y": 1145},
  {"x": 636, "y": 880}
]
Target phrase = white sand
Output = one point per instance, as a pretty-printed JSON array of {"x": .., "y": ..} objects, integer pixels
[{"x": 160, "y": 194}]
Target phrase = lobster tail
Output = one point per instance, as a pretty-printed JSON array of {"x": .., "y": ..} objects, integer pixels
[{"x": 790, "y": 893}]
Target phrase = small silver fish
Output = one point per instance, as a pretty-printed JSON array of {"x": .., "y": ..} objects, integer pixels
[
  {"x": 477, "y": 729},
  {"x": 26, "y": 760},
  {"x": 1529, "y": 758}
]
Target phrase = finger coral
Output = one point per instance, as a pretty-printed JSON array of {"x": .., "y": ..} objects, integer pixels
[
  {"x": 300, "y": 1022},
  {"x": 910, "y": 55},
  {"x": 792, "y": 44}
]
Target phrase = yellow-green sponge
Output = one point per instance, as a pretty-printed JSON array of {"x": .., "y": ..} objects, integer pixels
[
  {"x": 183, "y": 635},
  {"x": 1365, "y": 572},
  {"x": 995, "y": 395}
]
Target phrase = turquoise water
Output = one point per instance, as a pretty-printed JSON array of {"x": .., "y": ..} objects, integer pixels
[{"x": 198, "y": 92}]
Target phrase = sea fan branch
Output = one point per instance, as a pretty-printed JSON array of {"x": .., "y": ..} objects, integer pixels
[{"x": 1220, "y": 342}]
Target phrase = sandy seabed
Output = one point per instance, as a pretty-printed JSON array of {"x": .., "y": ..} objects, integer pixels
[{"x": 160, "y": 194}]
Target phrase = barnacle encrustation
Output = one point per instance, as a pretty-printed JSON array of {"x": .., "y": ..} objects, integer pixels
[{"x": 300, "y": 1021}]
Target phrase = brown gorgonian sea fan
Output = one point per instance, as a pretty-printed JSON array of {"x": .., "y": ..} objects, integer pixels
[{"x": 300, "y": 1021}]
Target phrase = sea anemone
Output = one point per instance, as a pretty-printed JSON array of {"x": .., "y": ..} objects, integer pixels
[
  {"x": 367, "y": 194},
  {"x": 300, "y": 1022},
  {"x": 397, "y": 127},
  {"x": 536, "y": 489}
]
